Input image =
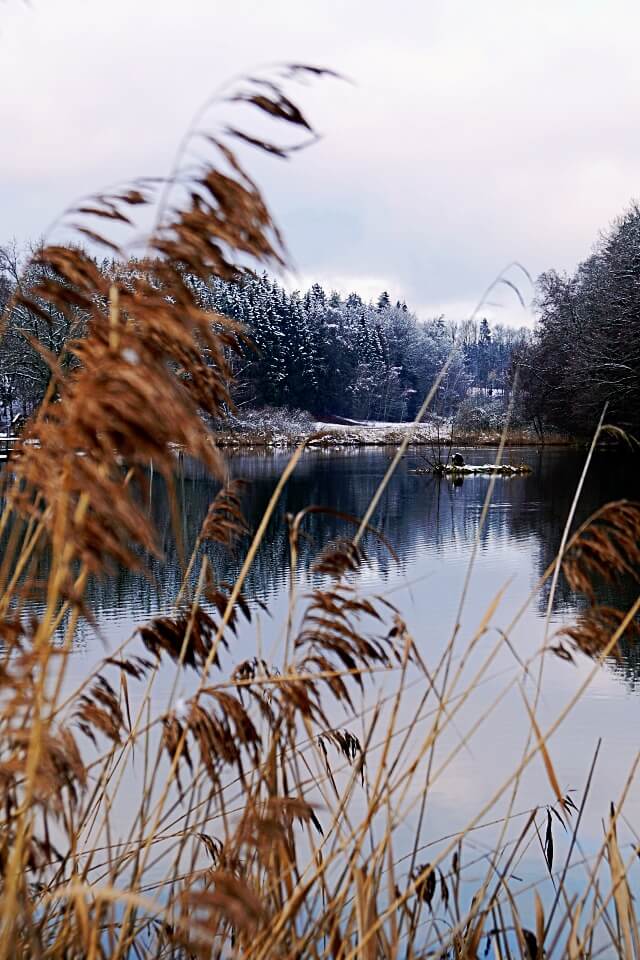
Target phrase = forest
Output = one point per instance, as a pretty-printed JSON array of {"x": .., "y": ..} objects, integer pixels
[
  {"x": 317, "y": 351},
  {"x": 585, "y": 351},
  {"x": 341, "y": 357}
]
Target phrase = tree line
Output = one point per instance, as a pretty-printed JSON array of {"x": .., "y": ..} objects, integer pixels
[
  {"x": 339, "y": 356},
  {"x": 332, "y": 355},
  {"x": 585, "y": 351}
]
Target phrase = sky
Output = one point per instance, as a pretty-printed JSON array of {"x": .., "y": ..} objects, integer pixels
[{"x": 469, "y": 135}]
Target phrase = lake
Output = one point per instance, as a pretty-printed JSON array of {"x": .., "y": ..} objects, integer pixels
[{"x": 432, "y": 526}]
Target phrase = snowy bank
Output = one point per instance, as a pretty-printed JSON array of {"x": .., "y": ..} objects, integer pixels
[
  {"x": 279, "y": 427},
  {"x": 319, "y": 434}
]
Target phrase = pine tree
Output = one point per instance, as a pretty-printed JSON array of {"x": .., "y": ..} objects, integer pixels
[{"x": 384, "y": 301}]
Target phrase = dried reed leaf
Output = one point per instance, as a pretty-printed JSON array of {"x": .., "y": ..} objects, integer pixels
[
  {"x": 187, "y": 638},
  {"x": 348, "y": 745},
  {"x": 574, "y": 949},
  {"x": 540, "y": 926},
  {"x": 551, "y": 774},
  {"x": 607, "y": 549},
  {"x": 531, "y": 949},
  {"x": 548, "y": 843},
  {"x": 99, "y": 711},
  {"x": 621, "y": 891},
  {"x": 594, "y": 628},
  {"x": 226, "y": 898},
  {"x": 340, "y": 558},
  {"x": 366, "y": 913},
  {"x": 277, "y": 106},
  {"x": 424, "y": 875},
  {"x": 224, "y": 522}
]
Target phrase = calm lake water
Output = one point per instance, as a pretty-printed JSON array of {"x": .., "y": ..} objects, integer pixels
[{"x": 432, "y": 526}]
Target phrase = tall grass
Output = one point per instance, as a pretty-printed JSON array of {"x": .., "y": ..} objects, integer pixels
[{"x": 265, "y": 811}]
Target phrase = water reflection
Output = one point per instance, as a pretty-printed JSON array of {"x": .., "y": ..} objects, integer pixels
[
  {"x": 419, "y": 516},
  {"x": 430, "y": 523}
]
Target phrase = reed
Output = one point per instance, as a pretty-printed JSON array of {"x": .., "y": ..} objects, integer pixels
[{"x": 262, "y": 813}]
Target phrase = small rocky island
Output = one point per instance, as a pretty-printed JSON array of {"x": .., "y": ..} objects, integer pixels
[{"x": 456, "y": 467}]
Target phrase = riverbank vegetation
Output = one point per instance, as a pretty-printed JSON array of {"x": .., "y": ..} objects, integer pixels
[
  {"x": 180, "y": 801},
  {"x": 585, "y": 351}
]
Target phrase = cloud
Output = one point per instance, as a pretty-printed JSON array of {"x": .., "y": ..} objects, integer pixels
[{"x": 475, "y": 134}]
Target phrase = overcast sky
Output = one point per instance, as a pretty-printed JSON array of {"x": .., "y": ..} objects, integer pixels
[{"x": 476, "y": 133}]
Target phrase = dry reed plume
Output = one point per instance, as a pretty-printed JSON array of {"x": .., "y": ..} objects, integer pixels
[{"x": 257, "y": 821}]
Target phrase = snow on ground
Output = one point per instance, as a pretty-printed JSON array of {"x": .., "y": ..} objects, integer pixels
[
  {"x": 374, "y": 432},
  {"x": 373, "y": 424}
]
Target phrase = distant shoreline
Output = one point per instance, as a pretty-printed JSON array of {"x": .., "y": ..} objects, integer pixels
[{"x": 388, "y": 435}]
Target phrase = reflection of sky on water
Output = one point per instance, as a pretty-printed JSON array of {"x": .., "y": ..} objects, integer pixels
[{"x": 432, "y": 526}]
